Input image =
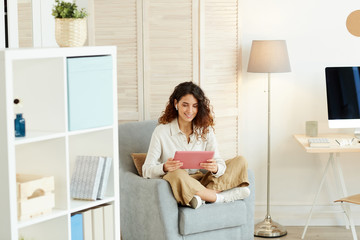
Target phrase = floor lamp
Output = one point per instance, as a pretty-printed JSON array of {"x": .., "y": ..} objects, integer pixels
[{"x": 269, "y": 56}]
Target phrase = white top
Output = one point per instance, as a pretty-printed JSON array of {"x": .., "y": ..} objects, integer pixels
[{"x": 167, "y": 139}]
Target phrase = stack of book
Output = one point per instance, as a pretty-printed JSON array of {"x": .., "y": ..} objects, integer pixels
[
  {"x": 93, "y": 224},
  {"x": 90, "y": 177}
]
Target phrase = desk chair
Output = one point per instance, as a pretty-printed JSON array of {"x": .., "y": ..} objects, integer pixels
[{"x": 355, "y": 199}]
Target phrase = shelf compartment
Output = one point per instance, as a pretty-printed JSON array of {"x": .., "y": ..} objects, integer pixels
[
  {"x": 52, "y": 226},
  {"x": 54, "y": 214},
  {"x": 46, "y": 109},
  {"x": 94, "y": 143},
  {"x": 98, "y": 143},
  {"x": 47, "y": 158}
]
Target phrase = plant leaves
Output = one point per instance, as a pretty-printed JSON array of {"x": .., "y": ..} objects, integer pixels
[{"x": 67, "y": 10}]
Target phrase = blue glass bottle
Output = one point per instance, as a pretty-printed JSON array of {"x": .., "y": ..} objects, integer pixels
[{"x": 19, "y": 125}]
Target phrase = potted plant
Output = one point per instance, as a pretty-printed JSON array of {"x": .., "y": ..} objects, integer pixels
[{"x": 70, "y": 24}]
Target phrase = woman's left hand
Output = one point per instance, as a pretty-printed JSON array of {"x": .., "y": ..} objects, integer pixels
[{"x": 210, "y": 165}]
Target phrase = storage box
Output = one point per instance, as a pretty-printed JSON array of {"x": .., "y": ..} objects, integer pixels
[
  {"x": 34, "y": 195},
  {"x": 90, "y": 92}
]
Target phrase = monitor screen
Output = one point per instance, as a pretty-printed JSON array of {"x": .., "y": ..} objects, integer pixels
[{"x": 343, "y": 96}]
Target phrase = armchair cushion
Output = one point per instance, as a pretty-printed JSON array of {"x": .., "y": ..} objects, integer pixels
[
  {"x": 212, "y": 217},
  {"x": 138, "y": 159}
]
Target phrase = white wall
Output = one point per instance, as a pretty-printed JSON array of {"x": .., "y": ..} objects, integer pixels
[
  {"x": 45, "y": 33},
  {"x": 44, "y": 23},
  {"x": 316, "y": 37}
]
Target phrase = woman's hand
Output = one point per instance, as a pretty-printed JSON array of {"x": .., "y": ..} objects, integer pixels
[
  {"x": 171, "y": 165},
  {"x": 210, "y": 165}
]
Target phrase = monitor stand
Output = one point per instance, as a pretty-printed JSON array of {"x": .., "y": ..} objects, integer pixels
[{"x": 357, "y": 133}]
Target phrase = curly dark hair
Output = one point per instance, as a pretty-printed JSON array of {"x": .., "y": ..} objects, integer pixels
[{"x": 204, "y": 117}]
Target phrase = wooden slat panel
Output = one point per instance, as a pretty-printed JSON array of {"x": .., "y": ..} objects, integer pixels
[
  {"x": 168, "y": 58},
  {"x": 168, "y": 37},
  {"x": 226, "y": 135},
  {"x": 119, "y": 27},
  {"x": 25, "y": 23},
  {"x": 219, "y": 67}
]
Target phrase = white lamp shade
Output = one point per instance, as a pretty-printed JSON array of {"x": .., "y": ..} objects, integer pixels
[{"x": 269, "y": 56}]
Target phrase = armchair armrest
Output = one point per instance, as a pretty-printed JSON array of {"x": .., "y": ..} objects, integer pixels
[
  {"x": 250, "y": 205},
  {"x": 153, "y": 201}
]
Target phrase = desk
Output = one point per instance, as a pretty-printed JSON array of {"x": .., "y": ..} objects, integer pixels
[{"x": 334, "y": 147}]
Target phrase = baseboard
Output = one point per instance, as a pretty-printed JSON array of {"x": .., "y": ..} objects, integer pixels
[{"x": 297, "y": 215}]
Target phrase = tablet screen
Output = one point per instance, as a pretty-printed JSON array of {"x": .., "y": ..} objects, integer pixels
[{"x": 192, "y": 159}]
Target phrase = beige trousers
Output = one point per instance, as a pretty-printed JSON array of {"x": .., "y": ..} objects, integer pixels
[{"x": 184, "y": 186}]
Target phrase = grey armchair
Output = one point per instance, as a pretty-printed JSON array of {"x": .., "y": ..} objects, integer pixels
[{"x": 148, "y": 209}]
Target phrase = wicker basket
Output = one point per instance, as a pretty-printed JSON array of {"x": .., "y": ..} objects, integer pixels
[{"x": 70, "y": 32}]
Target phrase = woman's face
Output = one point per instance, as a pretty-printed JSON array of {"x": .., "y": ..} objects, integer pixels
[{"x": 187, "y": 108}]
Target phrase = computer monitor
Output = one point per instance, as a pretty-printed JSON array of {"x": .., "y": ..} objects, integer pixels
[{"x": 343, "y": 97}]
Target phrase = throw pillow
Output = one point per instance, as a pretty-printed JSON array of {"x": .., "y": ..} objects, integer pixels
[{"x": 139, "y": 159}]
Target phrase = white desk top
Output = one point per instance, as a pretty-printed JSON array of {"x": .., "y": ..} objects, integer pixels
[{"x": 334, "y": 146}]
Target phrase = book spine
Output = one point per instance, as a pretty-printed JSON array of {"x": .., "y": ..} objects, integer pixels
[
  {"x": 104, "y": 178},
  {"x": 109, "y": 228},
  {"x": 97, "y": 170},
  {"x": 77, "y": 226},
  {"x": 98, "y": 223},
  {"x": 87, "y": 225}
]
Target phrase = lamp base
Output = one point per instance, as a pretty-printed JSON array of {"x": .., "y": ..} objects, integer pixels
[{"x": 269, "y": 229}]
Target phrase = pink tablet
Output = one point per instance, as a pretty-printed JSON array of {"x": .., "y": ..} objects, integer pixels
[{"x": 192, "y": 159}]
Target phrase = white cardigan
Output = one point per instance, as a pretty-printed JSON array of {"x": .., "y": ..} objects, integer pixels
[{"x": 167, "y": 139}]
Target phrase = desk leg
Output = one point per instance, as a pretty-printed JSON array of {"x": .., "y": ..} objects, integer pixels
[
  {"x": 340, "y": 184},
  {"x": 341, "y": 177},
  {"x": 331, "y": 158}
]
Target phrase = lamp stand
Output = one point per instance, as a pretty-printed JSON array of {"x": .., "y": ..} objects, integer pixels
[{"x": 268, "y": 227}]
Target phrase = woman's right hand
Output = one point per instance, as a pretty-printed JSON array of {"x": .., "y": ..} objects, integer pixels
[{"x": 172, "y": 165}]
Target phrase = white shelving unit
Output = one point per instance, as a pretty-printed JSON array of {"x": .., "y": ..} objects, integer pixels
[{"x": 39, "y": 77}]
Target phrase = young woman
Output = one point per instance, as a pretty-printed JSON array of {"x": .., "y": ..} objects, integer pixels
[{"x": 187, "y": 125}]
